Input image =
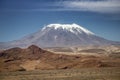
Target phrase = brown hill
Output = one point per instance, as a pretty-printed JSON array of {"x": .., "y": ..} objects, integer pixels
[
  {"x": 33, "y": 57},
  {"x": 32, "y": 52}
]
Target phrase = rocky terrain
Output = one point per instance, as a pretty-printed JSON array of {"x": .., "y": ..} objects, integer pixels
[{"x": 35, "y": 58}]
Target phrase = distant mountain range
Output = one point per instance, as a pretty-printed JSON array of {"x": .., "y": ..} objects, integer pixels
[{"x": 59, "y": 35}]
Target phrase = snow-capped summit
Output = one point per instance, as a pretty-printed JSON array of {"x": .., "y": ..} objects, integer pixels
[
  {"x": 75, "y": 28},
  {"x": 59, "y": 35}
]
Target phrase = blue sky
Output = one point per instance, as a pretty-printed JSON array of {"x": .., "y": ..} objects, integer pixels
[{"x": 19, "y": 18}]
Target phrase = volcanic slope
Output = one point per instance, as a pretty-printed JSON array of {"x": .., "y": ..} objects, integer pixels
[{"x": 59, "y": 35}]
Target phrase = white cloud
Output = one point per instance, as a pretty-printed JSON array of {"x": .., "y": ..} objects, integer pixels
[
  {"x": 104, "y": 6},
  {"x": 101, "y": 6}
]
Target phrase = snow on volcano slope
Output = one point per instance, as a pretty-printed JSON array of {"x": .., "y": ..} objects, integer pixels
[{"x": 69, "y": 27}]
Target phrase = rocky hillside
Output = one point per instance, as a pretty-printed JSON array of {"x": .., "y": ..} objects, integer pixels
[{"x": 33, "y": 57}]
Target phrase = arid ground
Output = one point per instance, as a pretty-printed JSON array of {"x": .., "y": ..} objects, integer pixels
[
  {"x": 68, "y": 74},
  {"x": 34, "y": 63}
]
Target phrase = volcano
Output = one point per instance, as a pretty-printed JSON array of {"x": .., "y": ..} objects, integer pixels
[{"x": 59, "y": 35}]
